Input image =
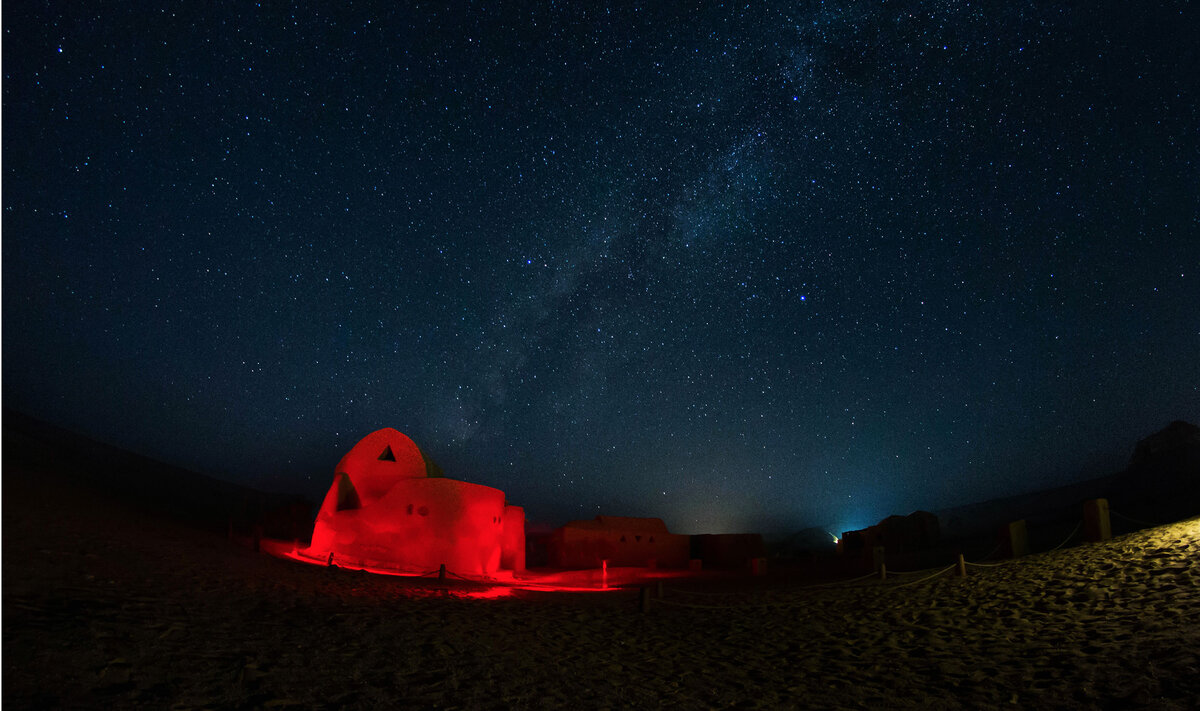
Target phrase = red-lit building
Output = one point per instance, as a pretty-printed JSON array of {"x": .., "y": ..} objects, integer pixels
[{"x": 390, "y": 507}]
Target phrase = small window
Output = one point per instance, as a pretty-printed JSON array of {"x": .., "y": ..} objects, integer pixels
[
  {"x": 651, "y": 539},
  {"x": 387, "y": 455},
  {"x": 622, "y": 539},
  {"x": 424, "y": 510},
  {"x": 638, "y": 538}
]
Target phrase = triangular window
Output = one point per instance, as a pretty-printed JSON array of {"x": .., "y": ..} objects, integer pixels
[
  {"x": 651, "y": 539},
  {"x": 347, "y": 496},
  {"x": 622, "y": 539},
  {"x": 387, "y": 455},
  {"x": 638, "y": 539}
]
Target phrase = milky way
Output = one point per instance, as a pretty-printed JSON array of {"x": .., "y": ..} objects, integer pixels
[{"x": 741, "y": 267}]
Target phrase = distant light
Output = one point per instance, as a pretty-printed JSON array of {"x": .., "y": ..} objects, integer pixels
[{"x": 803, "y": 297}]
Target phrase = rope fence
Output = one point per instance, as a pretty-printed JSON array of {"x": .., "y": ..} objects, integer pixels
[
  {"x": 704, "y": 593},
  {"x": 927, "y": 575},
  {"x": 840, "y": 583},
  {"x": 1097, "y": 528},
  {"x": 1133, "y": 520},
  {"x": 921, "y": 580},
  {"x": 987, "y": 565},
  {"x": 993, "y": 552},
  {"x": 891, "y": 572},
  {"x": 1068, "y": 538},
  {"x": 1095, "y": 518}
]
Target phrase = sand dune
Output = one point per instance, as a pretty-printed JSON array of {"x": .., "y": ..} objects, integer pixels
[{"x": 108, "y": 608}]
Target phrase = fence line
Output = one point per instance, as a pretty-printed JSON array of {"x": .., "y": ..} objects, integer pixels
[
  {"x": 703, "y": 593},
  {"x": 1068, "y": 538},
  {"x": 850, "y": 583},
  {"x": 757, "y": 595},
  {"x": 1133, "y": 520},
  {"x": 921, "y": 580},
  {"x": 910, "y": 572},
  {"x": 987, "y": 565},
  {"x": 839, "y": 583},
  {"x": 991, "y": 553},
  {"x": 696, "y": 606}
]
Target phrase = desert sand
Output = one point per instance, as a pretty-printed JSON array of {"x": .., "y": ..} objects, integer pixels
[{"x": 105, "y": 606}]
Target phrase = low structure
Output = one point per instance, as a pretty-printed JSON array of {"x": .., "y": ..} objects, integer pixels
[
  {"x": 620, "y": 540},
  {"x": 390, "y": 507},
  {"x": 728, "y": 551}
]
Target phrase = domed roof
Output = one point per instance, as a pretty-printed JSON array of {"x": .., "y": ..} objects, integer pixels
[{"x": 381, "y": 459}]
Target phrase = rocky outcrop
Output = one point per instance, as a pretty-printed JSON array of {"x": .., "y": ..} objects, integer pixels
[
  {"x": 1162, "y": 481},
  {"x": 897, "y": 534}
]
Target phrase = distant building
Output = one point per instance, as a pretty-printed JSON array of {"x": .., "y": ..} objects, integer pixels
[
  {"x": 727, "y": 551},
  {"x": 621, "y": 540},
  {"x": 897, "y": 534},
  {"x": 390, "y": 507}
]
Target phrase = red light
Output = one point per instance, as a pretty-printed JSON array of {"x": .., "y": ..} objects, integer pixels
[{"x": 385, "y": 511}]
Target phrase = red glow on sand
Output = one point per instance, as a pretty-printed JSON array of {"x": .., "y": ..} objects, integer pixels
[
  {"x": 502, "y": 585},
  {"x": 389, "y": 511},
  {"x": 489, "y": 594}
]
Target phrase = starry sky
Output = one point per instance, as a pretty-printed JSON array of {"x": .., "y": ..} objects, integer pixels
[{"x": 747, "y": 267}]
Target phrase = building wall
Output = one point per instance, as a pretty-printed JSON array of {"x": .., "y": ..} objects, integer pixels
[
  {"x": 512, "y": 546},
  {"x": 391, "y": 508},
  {"x": 727, "y": 551},
  {"x": 417, "y": 526},
  {"x": 576, "y": 547}
]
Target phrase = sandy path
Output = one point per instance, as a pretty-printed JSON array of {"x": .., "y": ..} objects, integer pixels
[{"x": 104, "y": 608}]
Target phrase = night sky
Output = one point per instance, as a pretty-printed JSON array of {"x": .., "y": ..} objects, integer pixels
[{"x": 745, "y": 267}]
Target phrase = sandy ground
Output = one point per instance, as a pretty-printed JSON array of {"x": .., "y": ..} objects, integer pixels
[{"x": 106, "y": 608}]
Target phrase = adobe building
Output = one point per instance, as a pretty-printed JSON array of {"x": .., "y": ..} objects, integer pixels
[
  {"x": 390, "y": 507},
  {"x": 620, "y": 540}
]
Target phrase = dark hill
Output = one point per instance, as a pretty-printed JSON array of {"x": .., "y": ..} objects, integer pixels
[
  {"x": 37, "y": 448},
  {"x": 1160, "y": 484},
  {"x": 1162, "y": 481}
]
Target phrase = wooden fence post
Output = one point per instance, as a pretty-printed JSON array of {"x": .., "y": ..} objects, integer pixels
[
  {"x": 644, "y": 600},
  {"x": 1096, "y": 524},
  {"x": 962, "y": 566},
  {"x": 1017, "y": 538}
]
